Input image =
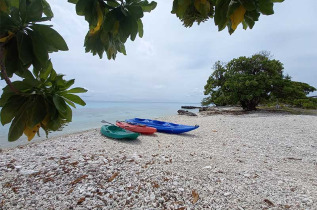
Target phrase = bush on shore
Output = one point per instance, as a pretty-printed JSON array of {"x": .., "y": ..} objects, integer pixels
[{"x": 249, "y": 81}]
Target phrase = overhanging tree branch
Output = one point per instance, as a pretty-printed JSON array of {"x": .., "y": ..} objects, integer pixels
[{"x": 4, "y": 72}]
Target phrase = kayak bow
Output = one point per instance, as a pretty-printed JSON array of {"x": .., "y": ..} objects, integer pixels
[
  {"x": 136, "y": 128},
  {"x": 116, "y": 132}
]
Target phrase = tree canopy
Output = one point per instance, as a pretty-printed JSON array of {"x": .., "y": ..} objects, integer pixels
[
  {"x": 42, "y": 98},
  {"x": 248, "y": 81},
  {"x": 294, "y": 93}
]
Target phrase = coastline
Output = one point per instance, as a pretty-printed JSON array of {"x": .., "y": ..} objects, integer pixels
[
  {"x": 39, "y": 141},
  {"x": 89, "y": 117},
  {"x": 252, "y": 161}
]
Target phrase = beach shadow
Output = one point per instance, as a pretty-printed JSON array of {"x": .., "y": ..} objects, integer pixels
[
  {"x": 151, "y": 136},
  {"x": 128, "y": 141}
]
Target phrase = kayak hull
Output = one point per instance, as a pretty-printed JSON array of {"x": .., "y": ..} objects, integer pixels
[
  {"x": 116, "y": 132},
  {"x": 137, "y": 128},
  {"x": 165, "y": 127}
]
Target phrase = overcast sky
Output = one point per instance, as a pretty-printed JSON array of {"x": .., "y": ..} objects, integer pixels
[{"x": 173, "y": 63}]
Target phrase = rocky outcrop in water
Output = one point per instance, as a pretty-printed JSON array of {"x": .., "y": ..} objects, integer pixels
[
  {"x": 184, "y": 112},
  {"x": 190, "y": 107}
]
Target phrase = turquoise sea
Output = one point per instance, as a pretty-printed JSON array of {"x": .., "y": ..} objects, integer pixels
[{"x": 89, "y": 117}]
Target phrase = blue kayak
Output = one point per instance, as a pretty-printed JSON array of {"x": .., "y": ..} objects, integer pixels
[{"x": 161, "y": 126}]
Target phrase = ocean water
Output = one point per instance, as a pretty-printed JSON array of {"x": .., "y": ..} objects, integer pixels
[{"x": 89, "y": 116}]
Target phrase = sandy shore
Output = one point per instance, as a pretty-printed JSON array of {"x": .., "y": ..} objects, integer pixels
[{"x": 254, "y": 161}]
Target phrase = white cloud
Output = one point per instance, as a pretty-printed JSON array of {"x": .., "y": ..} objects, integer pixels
[{"x": 146, "y": 49}]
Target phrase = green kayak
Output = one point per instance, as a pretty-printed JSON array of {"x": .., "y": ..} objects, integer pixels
[{"x": 116, "y": 132}]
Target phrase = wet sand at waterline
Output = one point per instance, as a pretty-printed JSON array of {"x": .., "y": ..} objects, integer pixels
[{"x": 252, "y": 161}]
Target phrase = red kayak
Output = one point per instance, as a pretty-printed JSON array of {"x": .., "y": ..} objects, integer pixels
[{"x": 143, "y": 129}]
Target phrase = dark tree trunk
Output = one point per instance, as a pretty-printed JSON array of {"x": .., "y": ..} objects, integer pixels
[{"x": 249, "y": 105}]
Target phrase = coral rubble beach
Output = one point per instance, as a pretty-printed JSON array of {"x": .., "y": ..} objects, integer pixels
[{"x": 253, "y": 161}]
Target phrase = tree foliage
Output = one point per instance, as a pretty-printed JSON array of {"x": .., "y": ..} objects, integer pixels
[
  {"x": 42, "y": 98},
  {"x": 226, "y": 13},
  {"x": 111, "y": 23},
  {"x": 248, "y": 81},
  {"x": 43, "y": 101},
  {"x": 294, "y": 93}
]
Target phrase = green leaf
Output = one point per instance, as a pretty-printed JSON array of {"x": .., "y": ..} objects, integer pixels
[
  {"x": 52, "y": 37},
  {"x": 248, "y": 5},
  {"x": 122, "y": 49},
  {"x": 81, "y": 6},
  {"x": 74, "y": 98},
  {"x": 60, "y": 104},
  {"x": 25, "y": 74},
  {"x": 175, "y": 7},
  {"x": 113, "y": 3},
  {"x": 7, "y": 23},
  {"x": 60, "y": 82},
  {"x": 54, "y": 124},
  {"x": 25, "y": 48},
  {"x": 203, "y": 7},
  {"x": 38, "y": 66},
  {"x": 221, "y": 18},
  {"x": 148, "y": 7},
  {"x": 77, "y": 90},
  {"x": 73, "y": 1},
  {"x": 52, "y": 75},
  {"x": 245, "y": 25},
  {"x": 94, "y": 44},
  {"x": 20, "y": 85},
  {"x": 135, "y": 11},
  {"x": 110, "y": 20},
  {"x": 10, "y": 109},
  {"x": 233, "y": 5},
  {"x": 5, "y": 97},
  {"x": 14, "y": 3},
  {"x": 15, "y": 15},
  {"x": 124, "y": 30},
  {"x": 18, "y": 124},
  {"x": 140, "y": 28},
  {"x": 69, "y": 114},
  {"x": 180, "y": 7},
  {"x": 104, "y": 37},
  {"x": 266, "y": 7},
  {"x": 124, "y": 12},
  {"x": 134, "y": 29},
  {"x": 17, "y": 128},
  {"x": 12, "y": 60},
  {"x": 43, "y": 19},
  {"x": 254, "y": 15},
  {"x": 250, "y": 17},
  {"x": 249, "y": 21},
  {"x": 37, "y": 111},
  {"x": 68, "y": 84},
  {"x": 70, "y": 102},
  {"x": 22, "y": 10},
  {"x": 39, "y": 47},
  {"x": 34, "y": 10},
  {"x": 46, "y": 72},
  {"x": 47, "y": 9}
]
